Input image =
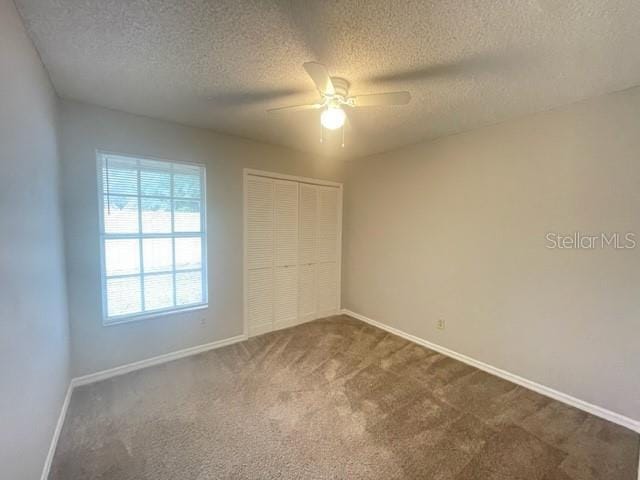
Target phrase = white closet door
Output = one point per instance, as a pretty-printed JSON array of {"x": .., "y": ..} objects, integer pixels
[
  {"x": 286, "y": 253},
  {"x": 292, "y": 252},
  {"x": 307, "y": 252},
  {"x": 328, "y": 247},
  {"x": 260, "y": 254}
]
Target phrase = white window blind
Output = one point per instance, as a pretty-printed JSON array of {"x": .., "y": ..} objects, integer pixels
[{"x": 152, "y": 235}]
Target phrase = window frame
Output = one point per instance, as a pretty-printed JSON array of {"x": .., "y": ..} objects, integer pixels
[{"x": 103, "y": 236}]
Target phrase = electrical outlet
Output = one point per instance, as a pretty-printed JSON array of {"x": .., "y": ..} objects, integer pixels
[
  {"x": 440, "y": 324},
  {"x": 203, "y": 321}
]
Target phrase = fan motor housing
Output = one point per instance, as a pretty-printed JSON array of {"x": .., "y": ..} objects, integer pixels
[{"x": 341, "y": 86}]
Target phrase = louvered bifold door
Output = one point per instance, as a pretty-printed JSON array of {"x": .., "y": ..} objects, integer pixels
[
  {"x": 328, "y": 229},
  {"x": 286, "y": 253},
  {"x": 307, "y": 260},
  {"x": 260, "y": 254}
]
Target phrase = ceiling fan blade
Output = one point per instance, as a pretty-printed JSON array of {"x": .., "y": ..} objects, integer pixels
[
  {"x": 376, "y": 99},
  {"x": 295, "y": 108},
  {"x": 471, "y": 66},
  {"x": 320, "y": 76},
  {"x": 239, "y": 98}
]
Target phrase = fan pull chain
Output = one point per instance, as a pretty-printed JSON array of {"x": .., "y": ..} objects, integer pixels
[
  {"x": 342, "y": 135},
  {"x": 321, "y": 134},
  {"x": 106, "y": 164}
]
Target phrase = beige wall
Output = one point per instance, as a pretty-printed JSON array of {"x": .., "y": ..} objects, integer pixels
[
  {"x": 87, "y": 128},
  {"x": 455, "y": 229},
  {"x": 33, "y": 321}
]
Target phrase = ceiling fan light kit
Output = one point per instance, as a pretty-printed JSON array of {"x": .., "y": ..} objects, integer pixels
[
  {"x": 334, "y": 98},
  {"x": 333, "y": 118}
]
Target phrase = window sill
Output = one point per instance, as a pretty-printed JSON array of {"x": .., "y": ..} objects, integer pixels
[{"x": 138, "y": 317}]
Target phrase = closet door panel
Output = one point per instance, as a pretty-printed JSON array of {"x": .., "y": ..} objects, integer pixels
[
  {"x": 286, "y": 253},
  {"x": 286, "y": 296},
  {"x": 327, "y": 224},
  {"x": 308, "y": 215},
  {"x": 327, "y": 290},
  {"x": 307, "y": 292},
  {"x": 308, "y": 222},
  {"x": 260, "y": 254},
  {"x": 260, "y": 300},
  {"x": 286, "y": 222},
  {"x": 260, "y": 224}
]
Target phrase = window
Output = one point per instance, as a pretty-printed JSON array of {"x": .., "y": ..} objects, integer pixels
[{"x": 152, "y": 235}]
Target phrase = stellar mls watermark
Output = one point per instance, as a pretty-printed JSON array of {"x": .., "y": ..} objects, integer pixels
[{"x": 582, "y": 241}]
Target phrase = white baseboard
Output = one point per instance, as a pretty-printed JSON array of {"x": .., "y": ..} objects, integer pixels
[
  {"x": 149, "y": 362},
  {"x": 536, "y": 387},
  {"x": 56, "y": 433}
]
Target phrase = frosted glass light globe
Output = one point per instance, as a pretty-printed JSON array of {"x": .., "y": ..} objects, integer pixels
[{"x": 332, "y": 118}]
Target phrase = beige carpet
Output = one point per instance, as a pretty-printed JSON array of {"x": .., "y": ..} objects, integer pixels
[{"x": 334, "y": 398}]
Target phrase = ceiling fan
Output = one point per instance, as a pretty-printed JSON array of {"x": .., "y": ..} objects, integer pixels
[{"x": 334, "y": 98}]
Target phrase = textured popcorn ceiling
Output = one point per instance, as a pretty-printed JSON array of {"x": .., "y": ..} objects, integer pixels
[{"x": 220, "y": 64}]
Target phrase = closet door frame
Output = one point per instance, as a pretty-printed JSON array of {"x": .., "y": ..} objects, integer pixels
[{"x": 245, "y": 263}]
